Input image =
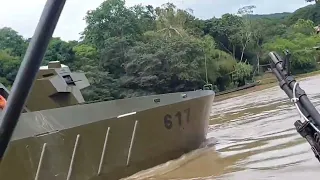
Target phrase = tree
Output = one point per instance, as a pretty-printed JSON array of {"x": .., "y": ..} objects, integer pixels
[
  {"x": 165, "y": 65},
  {"x": 111, "y": 19},
  {"x": 310, "y": 12},
  {"x": 225, "y": 32},
  {"x": 246, "y": 31},
  {"x": 303, "y": 26},
  {"x": 317, "y": 1},
  {"x": 171, "y": 21},
  {"x": 242, "y": 72},
  {"x": 11, "y": 40},
  {"x": 208, "y": 48},
  {"x": 146, "y": 16},
  {"x": 9, "y": 66},
  {"x": 102, "y": 84},
  {"x": 60, "y": 50}
]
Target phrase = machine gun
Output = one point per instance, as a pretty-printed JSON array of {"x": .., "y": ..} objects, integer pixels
[{"x": 309, "y": 129}]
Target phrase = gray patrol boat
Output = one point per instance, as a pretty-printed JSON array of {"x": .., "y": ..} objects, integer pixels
[{"x": 60, "y": 137}]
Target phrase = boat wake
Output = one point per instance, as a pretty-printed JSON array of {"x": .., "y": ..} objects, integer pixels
[{"x": 167, "y": 170}]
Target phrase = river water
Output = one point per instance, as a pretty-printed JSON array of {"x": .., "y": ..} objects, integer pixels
[{"x": 251, "y": 137}]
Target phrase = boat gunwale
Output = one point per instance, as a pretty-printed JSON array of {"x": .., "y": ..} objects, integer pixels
[{"x": 31, "y": 121}]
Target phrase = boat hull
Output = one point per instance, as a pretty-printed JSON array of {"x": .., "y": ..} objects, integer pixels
[{"x": 98, "y": 141}]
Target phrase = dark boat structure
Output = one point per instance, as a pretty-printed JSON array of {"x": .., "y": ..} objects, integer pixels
[{"x": 60, "y": 137}]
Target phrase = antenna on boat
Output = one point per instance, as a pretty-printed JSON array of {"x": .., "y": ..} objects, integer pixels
[
  {"x": 207, "y": 86},
  {"x": 28, "y": 70}
]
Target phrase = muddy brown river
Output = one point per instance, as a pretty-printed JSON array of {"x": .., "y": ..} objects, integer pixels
[{"x": 251, "y": 137}]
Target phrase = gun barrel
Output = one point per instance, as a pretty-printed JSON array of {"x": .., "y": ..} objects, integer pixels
[
  {"x": 308, "y": 129},
  {"x": 275, "y": 58},
  {"x": 287, "y": 84}
]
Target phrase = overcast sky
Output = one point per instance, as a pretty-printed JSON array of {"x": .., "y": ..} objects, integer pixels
[{"x": 23, "y": 15}]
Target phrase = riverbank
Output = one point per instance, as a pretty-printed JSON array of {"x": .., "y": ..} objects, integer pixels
[{"x": 266, "y": 81}]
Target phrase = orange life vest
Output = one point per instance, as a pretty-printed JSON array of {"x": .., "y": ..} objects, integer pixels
[{"x": 3, "y": 102}]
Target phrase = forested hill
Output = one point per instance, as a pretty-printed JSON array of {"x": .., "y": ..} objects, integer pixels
[
  {"x": 311, "y": 12},
  {"x": 145, "y": 50},
  {"x": 271, "y": 16}
]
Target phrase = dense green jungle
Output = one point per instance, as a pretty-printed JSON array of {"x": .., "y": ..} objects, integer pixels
[{"x": 143, "y": 50}]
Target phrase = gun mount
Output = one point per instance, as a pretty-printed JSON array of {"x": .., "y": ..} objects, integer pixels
[
  {"x": 55, "y": 86},
  {"x": 309, "y": 129}
]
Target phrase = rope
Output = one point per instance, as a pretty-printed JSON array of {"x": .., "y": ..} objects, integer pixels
[{"x": 295, "y": 100}]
